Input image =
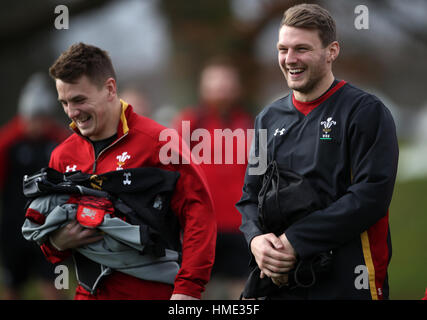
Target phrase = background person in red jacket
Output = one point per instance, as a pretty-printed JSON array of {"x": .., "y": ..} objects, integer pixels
[
  {"x": 220, "y": 108},
  {"x": 109, "y": 135},
  {"x": 26, "y": 142}
]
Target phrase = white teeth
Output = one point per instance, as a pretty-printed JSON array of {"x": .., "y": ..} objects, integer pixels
[
  {"x": 294, "y": 71},
  {"x": 83, "y": 119}
]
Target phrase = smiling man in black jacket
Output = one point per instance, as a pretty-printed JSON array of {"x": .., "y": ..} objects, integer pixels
[{"x": 343, "y": 141}]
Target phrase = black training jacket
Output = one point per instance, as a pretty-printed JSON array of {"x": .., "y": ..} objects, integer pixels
[{"x": 347, "y": 150}]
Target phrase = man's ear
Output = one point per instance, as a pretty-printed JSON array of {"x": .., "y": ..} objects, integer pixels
[
  {"x": 333, "y": 51},
  {"x": 110, "y": 85}
]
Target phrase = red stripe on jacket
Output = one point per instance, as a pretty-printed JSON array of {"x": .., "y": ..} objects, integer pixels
[{"x": 380, "y": 251}]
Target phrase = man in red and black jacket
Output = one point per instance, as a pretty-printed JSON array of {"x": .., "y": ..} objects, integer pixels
[
  {"x": 343, "y": 142},
  {"x": 109, "y": 135}
]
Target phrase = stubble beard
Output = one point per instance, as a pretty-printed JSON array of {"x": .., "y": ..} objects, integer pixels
[
  {"x": 314, "y": 77},
  {"x": 310, "y": 84}
]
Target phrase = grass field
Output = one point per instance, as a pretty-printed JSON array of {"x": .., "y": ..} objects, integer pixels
[{"x": 408, "y": 227}]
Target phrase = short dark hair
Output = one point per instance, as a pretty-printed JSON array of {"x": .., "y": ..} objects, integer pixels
[
  {"x": 83, "y": 60},
  {"x": 311, "y": 16}
]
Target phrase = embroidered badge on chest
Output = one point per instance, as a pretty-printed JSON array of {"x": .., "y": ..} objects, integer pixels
[
  {"x": 327, "y": 128},
  {"x": 121, "y": 160}
]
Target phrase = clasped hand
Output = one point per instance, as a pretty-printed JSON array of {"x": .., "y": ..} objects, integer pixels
[{"x": 274, "y": 255}]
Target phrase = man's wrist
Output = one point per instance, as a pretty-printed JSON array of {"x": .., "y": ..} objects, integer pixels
[{"x": 54, "y": 244}]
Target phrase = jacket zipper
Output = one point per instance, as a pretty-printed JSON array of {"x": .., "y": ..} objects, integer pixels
[{"x": 102, "y": 151}]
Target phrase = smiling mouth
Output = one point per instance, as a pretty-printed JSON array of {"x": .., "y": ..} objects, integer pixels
[
  {"x": 82, "y": 120},
  {"x": 296, "y": 71}
]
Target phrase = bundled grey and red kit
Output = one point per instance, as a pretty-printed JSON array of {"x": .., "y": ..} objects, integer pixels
[{"x": 344, "y": 145}]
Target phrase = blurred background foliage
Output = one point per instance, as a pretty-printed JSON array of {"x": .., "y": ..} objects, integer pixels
[{"x": 159, "y": 47}]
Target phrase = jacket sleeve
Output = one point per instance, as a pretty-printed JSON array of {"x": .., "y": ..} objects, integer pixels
[
  {"x": 51, "y": 253},
  {"x": 192, "y": 204},
  {"x": 373, "y": 152},
  {"x": 248, "y": 204}
]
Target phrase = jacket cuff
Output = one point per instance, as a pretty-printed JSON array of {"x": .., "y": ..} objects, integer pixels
[
  {"x": 188, "y": 288},
  {"x": 298, "y": 247},
  {"x": 53, "y": 255}
]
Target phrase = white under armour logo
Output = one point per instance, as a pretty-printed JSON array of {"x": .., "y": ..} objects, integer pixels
[
  {"x": 281, "y": 131},
  {"x": 126, "y": 181},
  {"x": 71, "y": 168}
]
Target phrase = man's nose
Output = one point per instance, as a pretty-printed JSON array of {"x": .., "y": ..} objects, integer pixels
[
  {"x": 72, "y": 111},
  {"x": 291, "y": 57}
]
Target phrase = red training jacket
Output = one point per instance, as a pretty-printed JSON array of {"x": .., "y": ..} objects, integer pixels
[{"x": 138, "y": 145}]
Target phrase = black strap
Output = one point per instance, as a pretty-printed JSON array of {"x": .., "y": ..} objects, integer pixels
[{"x": 298, "y": 282}]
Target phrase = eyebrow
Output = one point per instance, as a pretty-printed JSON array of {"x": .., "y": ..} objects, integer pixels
[
  {"x": 299, "y": 45},
  {"x": 74, "y": 99}
]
